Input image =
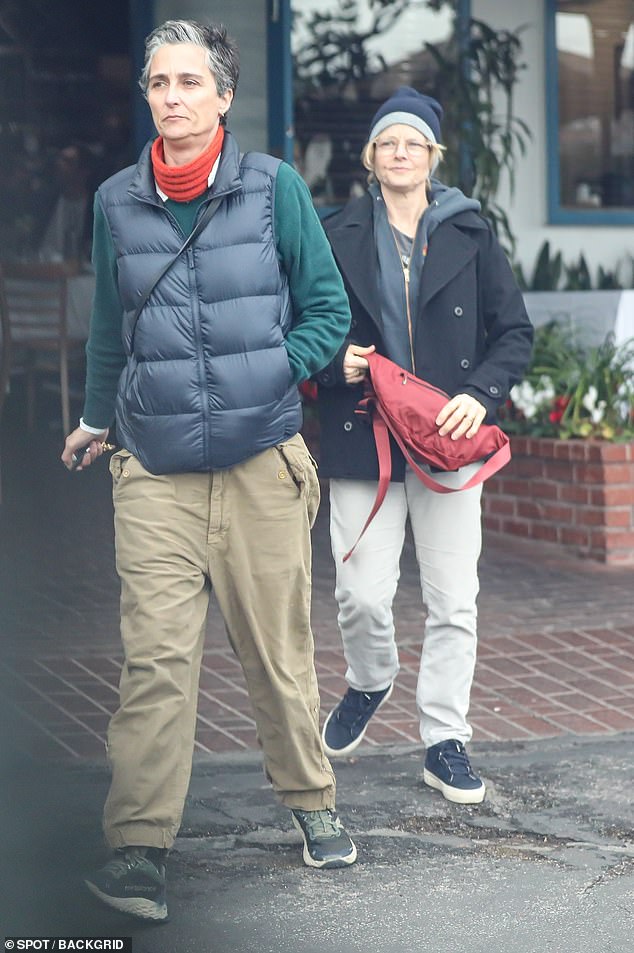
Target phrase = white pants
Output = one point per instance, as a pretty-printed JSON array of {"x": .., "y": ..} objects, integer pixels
[{"x": 448, "y": 538}]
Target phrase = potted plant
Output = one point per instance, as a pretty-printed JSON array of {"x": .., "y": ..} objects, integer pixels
[
  {"x": 572, "y": 391},
  {"x": 589, "y": 306},
  {"x": 571, "y": 421}
]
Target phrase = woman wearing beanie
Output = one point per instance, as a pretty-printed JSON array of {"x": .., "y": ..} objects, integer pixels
[{"x": 430, "y": 288}]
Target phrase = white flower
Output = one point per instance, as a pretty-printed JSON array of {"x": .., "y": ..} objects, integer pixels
[
  {"x": 589, "y": 401},
  {"x": 625, "y": 399},
  {"x": 590, "y": 398},
  {"x": 529, "y": 399}
]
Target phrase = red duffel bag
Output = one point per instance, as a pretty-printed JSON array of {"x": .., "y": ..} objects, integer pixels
[{"x": 407, "y": 406}]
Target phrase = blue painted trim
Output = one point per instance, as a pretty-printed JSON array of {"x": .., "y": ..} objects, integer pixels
[
  {"x": 616, "y": 217},
  {"x": 552, "y": 111},
  {"x": 142, "y": 22},
  {"x": 280, "y": 79},
  {"x": 463, "y": 23},
  {"x": 556, "y": 214}
]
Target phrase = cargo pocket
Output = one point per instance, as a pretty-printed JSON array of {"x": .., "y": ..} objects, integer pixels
[
  {"x": 302, "y": 469},
  {"x": 119, "y": 466}
]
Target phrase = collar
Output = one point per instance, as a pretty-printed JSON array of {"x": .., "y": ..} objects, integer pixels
[{"x": 211, "y": 179}]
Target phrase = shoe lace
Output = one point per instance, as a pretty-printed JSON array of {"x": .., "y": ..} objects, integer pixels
[
  {"x": 125, "y": 861},
  {"x": 353, "y": 706},
  {"x": 322, "y": 825},
  {"x": 456, "y": 758}
]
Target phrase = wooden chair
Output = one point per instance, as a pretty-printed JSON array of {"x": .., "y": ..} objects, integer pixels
[
  {"x": 36, "y": 295},
  {"x": 5, "y": 360}
]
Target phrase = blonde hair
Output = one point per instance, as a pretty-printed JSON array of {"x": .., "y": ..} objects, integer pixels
[{"x": 369, "y": 150}]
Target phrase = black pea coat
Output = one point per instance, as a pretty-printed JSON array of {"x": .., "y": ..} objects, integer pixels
[{"x": 471, "y": 333}]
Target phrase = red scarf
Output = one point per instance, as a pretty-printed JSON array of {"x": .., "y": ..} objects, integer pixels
[{"x": 182, "y": 183}]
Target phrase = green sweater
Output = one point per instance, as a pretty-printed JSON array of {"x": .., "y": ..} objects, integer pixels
[{"x": 321, "y": 314}]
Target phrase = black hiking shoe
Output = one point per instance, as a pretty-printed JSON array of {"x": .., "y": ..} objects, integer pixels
[
  {"x": 133, "y": 882},
  {"x": 326, "y": 843}
]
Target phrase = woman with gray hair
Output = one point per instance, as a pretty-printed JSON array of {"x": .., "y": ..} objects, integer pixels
[
  {"x": 216, "y": 295},
  {"x": 221, "y": 55},
  {"x": 430, "y": 288}
]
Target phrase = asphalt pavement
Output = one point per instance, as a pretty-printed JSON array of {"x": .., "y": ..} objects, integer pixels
[{"x": 546, "y": 863}]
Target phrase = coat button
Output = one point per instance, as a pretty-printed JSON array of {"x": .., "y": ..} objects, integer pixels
[
  {"x": 125, "y": 473},
  {"x": 464, "y": 363},
  {"x": 325, "y": 377},
  {"x": 494, "y": 390},
  {"x": 347, "y": 425},
  {"x": 458, "y": 311}
]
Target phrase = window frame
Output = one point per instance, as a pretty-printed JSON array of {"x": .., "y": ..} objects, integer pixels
[{"x": 557, "y": 215}]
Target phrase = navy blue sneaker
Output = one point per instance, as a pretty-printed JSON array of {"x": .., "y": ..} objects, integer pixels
[
  {"x": 346, "y": 724},
  {"x": 448, "y": 769}
]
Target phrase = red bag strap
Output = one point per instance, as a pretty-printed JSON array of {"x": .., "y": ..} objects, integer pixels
[
  {"x": 495, "y": 462},
  {"x": 382, "y": 440},
  {"x": 382, "y": 430}
]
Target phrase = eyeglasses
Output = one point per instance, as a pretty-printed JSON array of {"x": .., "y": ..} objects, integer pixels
[{"x": 413, "y": 147}]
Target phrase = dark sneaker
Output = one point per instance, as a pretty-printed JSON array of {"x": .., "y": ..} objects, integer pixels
[
  {"x": 326, "y": 843},
  {"x": 448, "y": 769},
  {"x": 133, "y": 882},
  {"x": 346, "y": 724}
]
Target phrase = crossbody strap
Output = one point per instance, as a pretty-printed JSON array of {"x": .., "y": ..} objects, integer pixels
[
  {"x": 382, "y": 430},
  {"x": 491, "y": 465},
  {"x": 382, "y": 440},
  {"x": 204, "y": 220}
]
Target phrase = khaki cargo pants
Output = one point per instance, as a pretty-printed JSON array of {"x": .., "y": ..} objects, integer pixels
[{"x": 246, "y": 532}]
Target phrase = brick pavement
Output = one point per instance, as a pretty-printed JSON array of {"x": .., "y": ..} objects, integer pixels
[{"x": 556, "y": 633}]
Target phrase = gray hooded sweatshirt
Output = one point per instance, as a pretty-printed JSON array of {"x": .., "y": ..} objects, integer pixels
[{"x": 444, "y": 203}]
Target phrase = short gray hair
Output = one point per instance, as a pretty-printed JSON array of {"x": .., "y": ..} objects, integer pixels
[{"x": 222, "y": 53}]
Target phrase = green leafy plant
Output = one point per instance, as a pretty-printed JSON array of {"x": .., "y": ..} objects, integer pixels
[
  {"x": 546, "y": 272},
  {"x": 476, "y": 75},
  {"x": 578, "y": 276},
  {"x": 552, "y": 273},
  {"x": 607, "y": 280},
  {"x": 574, "y": 392}
]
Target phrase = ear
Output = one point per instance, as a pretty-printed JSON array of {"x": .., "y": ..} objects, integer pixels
[{"x": 225, "y": 101}]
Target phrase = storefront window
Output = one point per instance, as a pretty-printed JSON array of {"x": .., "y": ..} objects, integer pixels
[
  {"x": 594, "y": 46},
  {"x": 348, "y": 57},
  {"x": 66, "y": 85}
]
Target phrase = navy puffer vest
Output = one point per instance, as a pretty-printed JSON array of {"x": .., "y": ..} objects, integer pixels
[{"x": 208, "y": 383}]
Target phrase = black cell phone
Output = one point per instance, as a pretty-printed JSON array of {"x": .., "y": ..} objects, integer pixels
[{"x": 78, "y": 458}]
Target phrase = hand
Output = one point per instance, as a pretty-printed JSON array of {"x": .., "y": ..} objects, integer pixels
[
  {"x": 355, "y": 366},
  {"x": 85, "y": 445},
  {"x": 462, "y": 415}
]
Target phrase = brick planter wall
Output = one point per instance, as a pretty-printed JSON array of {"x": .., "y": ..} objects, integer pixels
[{"x": 578, "y": 494}]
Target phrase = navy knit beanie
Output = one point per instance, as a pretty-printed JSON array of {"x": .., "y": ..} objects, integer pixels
[{"x": 411, "y": 108}]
